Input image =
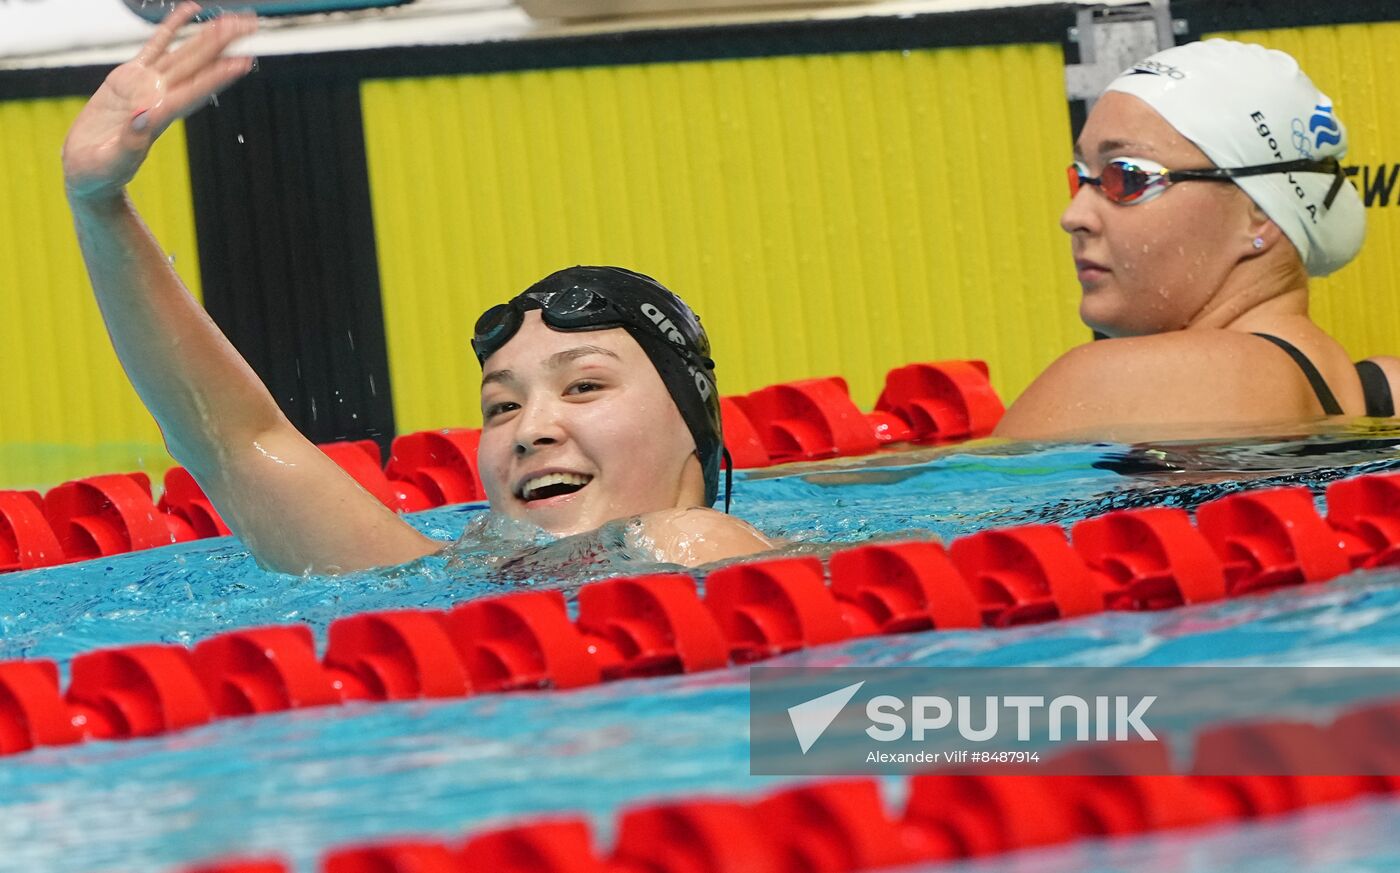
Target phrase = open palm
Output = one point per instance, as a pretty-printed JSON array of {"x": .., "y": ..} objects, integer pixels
[{"x": 141, "y": 98}]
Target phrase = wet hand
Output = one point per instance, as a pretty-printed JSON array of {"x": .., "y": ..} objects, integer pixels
[{"x": 141, "y": 98}]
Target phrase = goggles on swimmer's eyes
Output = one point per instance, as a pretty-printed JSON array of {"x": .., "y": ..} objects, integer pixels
[
  {"x": 1129, "y": 181},
  {"x": 576, "y": 309}
]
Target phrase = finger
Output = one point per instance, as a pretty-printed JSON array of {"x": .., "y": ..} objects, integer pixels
[
  {"x": 190, "y": 97},
  {"x": 165, "y": 34},
  {"x": 200, "y": 51}
]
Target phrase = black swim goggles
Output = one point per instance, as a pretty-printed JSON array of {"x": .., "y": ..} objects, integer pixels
[
  {"x": 1129, "y": 181},
  {"x": 575, "y": 309}
]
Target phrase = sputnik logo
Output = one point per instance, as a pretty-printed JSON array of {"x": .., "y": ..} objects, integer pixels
[{"x": 811, "y": 719}]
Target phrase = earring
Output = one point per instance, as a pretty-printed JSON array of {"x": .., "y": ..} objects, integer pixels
[{"x": 1258, "y": 242}]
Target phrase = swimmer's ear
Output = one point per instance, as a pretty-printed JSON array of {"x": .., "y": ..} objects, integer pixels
[{"x": 1261, "y": 233}]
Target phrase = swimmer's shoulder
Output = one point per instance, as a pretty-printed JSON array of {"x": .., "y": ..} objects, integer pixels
[
  {"x": 698, "y": 535},
  {"x": 1196, "y": 380}
]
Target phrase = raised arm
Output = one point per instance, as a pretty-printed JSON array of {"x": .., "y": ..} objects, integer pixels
[{"x": 294, "y": 508}]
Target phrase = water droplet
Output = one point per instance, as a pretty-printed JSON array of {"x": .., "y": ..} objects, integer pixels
[{"x": 240, "y": 139}]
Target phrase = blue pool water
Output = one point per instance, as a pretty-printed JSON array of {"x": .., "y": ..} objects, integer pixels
[{"x": 296, "y": 783}]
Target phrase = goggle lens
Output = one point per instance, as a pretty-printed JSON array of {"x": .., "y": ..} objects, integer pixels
[
  {"x": 572, "y": 309},
  {"x": 1078, "y": 176},
  {"x": 1121, "y": 181},
  {"x": 493, "y": 321},
  {"x": 1126, "y": 182},
  {"x": 576, "y": 306}
]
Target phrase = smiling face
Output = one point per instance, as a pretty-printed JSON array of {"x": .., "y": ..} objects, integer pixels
[
  {"x": 1160, "y": 265},
  {"x": 580, "y": 430}
]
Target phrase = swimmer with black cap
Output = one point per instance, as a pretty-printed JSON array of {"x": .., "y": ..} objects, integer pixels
[
  {"x": 598, "y": 390},
  {"x": 1207, "y": 189},
  {"x": 599, "y": 402}
]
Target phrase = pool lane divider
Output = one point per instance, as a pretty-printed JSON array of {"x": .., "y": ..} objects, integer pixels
[
  {"x": 628, "y": 627},
  {"x": 847, "y": 824},
  {"x": 812, "y": 419}
]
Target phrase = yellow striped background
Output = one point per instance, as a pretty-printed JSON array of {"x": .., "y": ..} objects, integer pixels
[
  {"x": 66, "y": 408},
  {"x": 825, "y": 214},
  {"x": 831, "y": 214}
]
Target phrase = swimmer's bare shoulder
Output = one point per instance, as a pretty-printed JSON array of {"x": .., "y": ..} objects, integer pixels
[
  {"x": 1188, "y": 383},
  {"x": 697, "y": 535}
]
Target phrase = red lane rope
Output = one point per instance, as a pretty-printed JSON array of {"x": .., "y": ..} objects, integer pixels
[
  {"x": 808, "y": 420},
  {"x": 846, "y": 824},
  {"x": 659, "y": 624},
  {"x": 654, "y": 625}
]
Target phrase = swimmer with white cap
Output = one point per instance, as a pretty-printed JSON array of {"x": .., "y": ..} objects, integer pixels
[
  {"x": 598, "y": 389},
  {"x": 1206, "y": 190}
]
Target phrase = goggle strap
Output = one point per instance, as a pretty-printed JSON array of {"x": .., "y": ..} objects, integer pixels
[
  {"x": 1337, "y": 181},
  {"x": 1326, "y": 165}
]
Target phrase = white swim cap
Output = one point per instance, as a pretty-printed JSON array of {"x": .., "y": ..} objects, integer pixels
[{"x": 1243, "y": 105}]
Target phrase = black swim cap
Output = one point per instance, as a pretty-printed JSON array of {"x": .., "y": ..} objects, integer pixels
[{"x": 669, "y": 332}]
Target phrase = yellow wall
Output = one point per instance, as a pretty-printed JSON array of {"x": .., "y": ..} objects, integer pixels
[
  {"x": 825, "y": 214},
  {"x": 66, "y": 408},
  {"x": 829, "y": 214},
  {"x": 1358, "y": 66}
]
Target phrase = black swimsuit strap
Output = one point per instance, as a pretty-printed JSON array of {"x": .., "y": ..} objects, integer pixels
[
  {"x": 1324, "y": 394},
  {"x": 1376, "y": 387}
]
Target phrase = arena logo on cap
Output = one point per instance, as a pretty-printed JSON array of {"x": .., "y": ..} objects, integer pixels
[
  {"x": 672, "y": 333},
  {"x": 663, "y": 324}
]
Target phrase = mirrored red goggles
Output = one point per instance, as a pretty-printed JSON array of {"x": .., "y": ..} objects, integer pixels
[{"x": 1129, "y": 181}]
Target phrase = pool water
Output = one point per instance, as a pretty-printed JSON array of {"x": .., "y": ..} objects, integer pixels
[{"x": 297, "y": 783}]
